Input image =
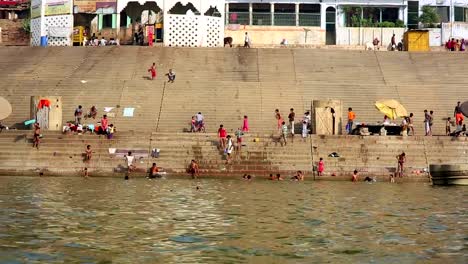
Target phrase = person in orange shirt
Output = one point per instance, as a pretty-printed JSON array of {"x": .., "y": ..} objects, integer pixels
[
  {"x": 458, "y": 117},
  {"x": 351, "y": 117}
]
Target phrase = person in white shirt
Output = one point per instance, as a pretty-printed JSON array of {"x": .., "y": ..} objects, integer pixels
[
  {"x": 103, "y": 42},
  {"x": 129, "y": 158},
  {"x": 386, "y": 120},
  {"x": 305, "y": 131},
  {"x": 246, "y": 40},
  {"x": 199, "y": 118},
  {"x": 171, "y": 76},
  {"x": 404, "y": 127},
  {"x": 307, "y": 117},
  {"x": 229, "y": 148}
]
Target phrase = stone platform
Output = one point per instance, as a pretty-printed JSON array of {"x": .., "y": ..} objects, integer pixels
[{"x": 225, "y": 85}]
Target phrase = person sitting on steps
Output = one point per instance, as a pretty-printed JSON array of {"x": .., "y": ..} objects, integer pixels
[{"x": 171, "y": 76}]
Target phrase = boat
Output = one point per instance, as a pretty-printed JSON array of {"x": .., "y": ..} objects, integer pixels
[{"x": 449, "y": 174}]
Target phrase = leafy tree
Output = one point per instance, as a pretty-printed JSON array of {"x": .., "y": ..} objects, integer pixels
[
  {"x": 26, "y": 25},
  {"x": 429, "y": 16},
  {"x": 399, "y": 23}
]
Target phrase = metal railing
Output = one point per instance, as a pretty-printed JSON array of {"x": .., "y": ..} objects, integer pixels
[
  {"x": 285, "y": 19},
  {"x": 309, "y": 20},
  {"x": 238, "y": 18},
  {"x": 261, "y": 19},
  {"x": 280, "y": 19}
]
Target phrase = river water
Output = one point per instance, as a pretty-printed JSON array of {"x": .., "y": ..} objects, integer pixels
[{"x": 74, "y": 220}]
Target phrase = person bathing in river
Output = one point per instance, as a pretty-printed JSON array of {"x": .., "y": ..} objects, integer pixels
[
  {"x": 298, "y": 177},
  {"x": 320, "y": 167},
  {"x": 129, "y": 158},
  {"x": 154, "y": 172},
  {"x": 355, "y": 176},
  {"x": 278, "y": 177},
  {"x": 401, "y": 162},
  {"x": 193, "y": 169},
  {"x": 247, "y": 177}
]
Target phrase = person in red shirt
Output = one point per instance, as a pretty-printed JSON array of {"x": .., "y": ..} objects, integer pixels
[
  {"x": 459, "y": 118},
  {"x": 153, "y": 71},
  {"x": 453, "y": 44},
  {"x": 104, "y": 124},
  {"x": 222, "y": 134},
  {"x": 448, "y": 45}
]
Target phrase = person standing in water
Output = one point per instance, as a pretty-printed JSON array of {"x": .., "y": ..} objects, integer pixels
[
  {"x": 401, "y": 162},
  {"x": 355, "y": 176},
  {"x": 320, "y": 167},
  {"x": 193, "y": 169}
]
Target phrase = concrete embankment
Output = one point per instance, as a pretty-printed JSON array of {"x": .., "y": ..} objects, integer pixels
[
  {"x": 225, "y": 85},
  {"x": 375, "y": 156}
]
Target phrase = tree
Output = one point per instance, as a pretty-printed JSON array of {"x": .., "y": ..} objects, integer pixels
[
  {"x": 429, "y": 16},
  {"x": 26, "y": 25}
]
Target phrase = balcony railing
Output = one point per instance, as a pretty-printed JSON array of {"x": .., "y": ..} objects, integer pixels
[
  {"x": 280, "y": 19},
  {"x": 238, "y": 18},
  {"x": 309, "y": 20},
  {"x": 261, "y": 19},
  {"x": 285, "y": 19}
]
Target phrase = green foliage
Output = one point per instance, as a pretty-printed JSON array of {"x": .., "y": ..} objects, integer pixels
[
  {"x": 386, "y": 24},
  {"x": 399, "y": 23},
  {"x": 353, "y": 18},
  {"x": 26, "y": 25},
  {"x": 429, "y": 16}
]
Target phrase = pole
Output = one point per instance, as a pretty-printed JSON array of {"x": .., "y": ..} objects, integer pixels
[{"x": 451, "y": 15}]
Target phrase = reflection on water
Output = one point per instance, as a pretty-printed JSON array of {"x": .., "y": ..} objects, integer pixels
[{"x": 72, "y": 220}]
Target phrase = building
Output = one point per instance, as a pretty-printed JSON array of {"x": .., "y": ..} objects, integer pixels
[
  {"x": 317, "y": 19},
  {"x": 181, "y": 22},
  {"x": 14, "y": 9},
  {"x": 205, "y": 22}
]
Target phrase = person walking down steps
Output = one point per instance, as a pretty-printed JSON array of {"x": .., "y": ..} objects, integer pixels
[
  {"x": 152, "y": 71},
  {"x": 247, "y": 40}
]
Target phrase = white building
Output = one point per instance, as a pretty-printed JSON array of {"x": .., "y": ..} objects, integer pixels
[
  {"x": 203, "y": 23},
  {"x": 197, "y": 23}
]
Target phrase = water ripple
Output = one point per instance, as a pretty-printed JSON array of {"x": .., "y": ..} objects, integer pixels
[{"x": 71, "y": 220}]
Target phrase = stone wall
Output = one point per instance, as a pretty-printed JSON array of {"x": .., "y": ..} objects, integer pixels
[
  {"x": 361, "y": 36},
  {"x": 12, "y": 33},
  {"x": 271, "y": 36}
]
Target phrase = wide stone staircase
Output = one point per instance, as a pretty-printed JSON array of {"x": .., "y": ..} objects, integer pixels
[
  {"x": 377, "y": 155},
  {"x": 63, "y": 154},
  {"x": 225, "y": 85}
]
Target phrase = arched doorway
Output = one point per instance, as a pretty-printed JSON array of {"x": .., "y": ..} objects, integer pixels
[{"x": 330, "y": 26}]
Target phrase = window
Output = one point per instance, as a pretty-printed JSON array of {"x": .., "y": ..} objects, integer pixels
[
  {"x": 444, "y": 13},
  {"x": 107, "y": 21},
  {"x": 390, "y": 14},
  {"x": 309, "y": 15},
  {"x": 460, "y": 14},
  {"x": 261, "y": 14},
  {"x": 285, "y": 15},
  {"x": 413, "y": 14},
  {"x": 123, "y": 19},
  {"x": 238, "y": 14}
]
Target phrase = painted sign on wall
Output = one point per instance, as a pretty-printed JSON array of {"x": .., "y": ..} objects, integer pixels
[
  {"x": 35, "y": 10},
  {"x": 95, "y": 6},
  {"x": 57, "y": 7}
]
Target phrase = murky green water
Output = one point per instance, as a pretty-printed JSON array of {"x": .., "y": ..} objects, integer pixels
[{"x": 72, "y": 220}]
